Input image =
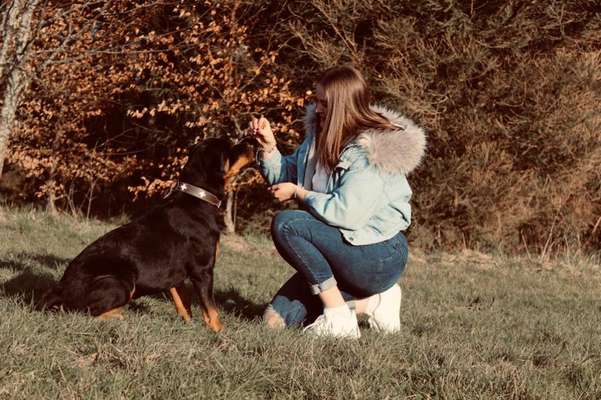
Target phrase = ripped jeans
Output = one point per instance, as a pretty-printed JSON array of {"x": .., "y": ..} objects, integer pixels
[{"x": 324, "y": 259}]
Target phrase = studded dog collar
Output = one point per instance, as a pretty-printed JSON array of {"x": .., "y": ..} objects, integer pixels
[{"x": 197, "y": 192}]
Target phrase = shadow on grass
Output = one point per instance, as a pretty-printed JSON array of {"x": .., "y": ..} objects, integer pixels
[
  {"x": 232, "y": 302},
  {"x": 229, "y": 301},
  {"x": 30, "y": 287},
  {"x": 31, "y": 283},
  {"x": 27, "y": 286},
  {"x": 24, "y": 262},
  {"x": 138, "y": 307}
]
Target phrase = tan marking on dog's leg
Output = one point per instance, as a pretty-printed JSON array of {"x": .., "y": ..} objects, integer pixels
[
  {"x": 115, "y": 313},
  {"x": 179, "y": 305},
  {"x": 217, "y": 249},
  {"x": 211, "y": 317}
]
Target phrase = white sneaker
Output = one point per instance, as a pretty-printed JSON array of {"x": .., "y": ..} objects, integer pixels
[
  {"x": 338, "y": 325},
  {"x": 385, "y": 316}
]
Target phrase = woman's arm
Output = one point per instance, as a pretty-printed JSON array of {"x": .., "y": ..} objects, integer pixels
[
  {"x": 274, "y": 167},
  {"x": 353, "y": 202},
  {"x": 277, "y": 168}
]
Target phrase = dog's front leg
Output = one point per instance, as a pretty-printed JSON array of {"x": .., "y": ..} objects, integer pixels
[
  {"x": 204, "y": 286},
  {"x": 179, "y": 305}
]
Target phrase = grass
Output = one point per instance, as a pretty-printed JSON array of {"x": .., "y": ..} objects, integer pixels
[{"x": 475, "y": 326}]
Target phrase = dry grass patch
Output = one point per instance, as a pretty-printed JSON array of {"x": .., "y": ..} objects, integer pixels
[{"x": 475, "y": 326}]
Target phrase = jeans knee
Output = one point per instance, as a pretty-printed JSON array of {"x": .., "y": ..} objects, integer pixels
[{"x": 282, "y": 221}]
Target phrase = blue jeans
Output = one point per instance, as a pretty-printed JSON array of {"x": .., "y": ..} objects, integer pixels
[{"x": 324, "y": 259}]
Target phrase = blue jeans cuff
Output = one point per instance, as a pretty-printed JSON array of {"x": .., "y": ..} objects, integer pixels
[{"x": 325, "y": 285}]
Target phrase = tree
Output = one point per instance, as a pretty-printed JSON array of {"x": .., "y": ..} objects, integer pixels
[
  {"x": 115, "y": 110},
  {"x": 15, "y": 34}
]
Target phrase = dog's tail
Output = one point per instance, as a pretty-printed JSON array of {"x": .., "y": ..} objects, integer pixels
[{"x": 52, "y": 300}]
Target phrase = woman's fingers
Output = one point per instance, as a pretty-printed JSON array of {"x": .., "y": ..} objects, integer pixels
[
  {"x": 259, "y": 124},
  {"x": 254, "y": 129},
  {"x": 283, "y": 191},
  {"x": 274, "y": 191},
  {"x": 261, "y": 130}
]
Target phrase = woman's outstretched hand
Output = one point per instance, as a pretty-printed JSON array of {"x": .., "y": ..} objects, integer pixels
[{"x": 261, "y": 129}]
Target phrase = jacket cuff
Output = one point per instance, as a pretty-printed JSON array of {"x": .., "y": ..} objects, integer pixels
[
  {"x": 312, "y": 197},
  {"x": 270, "y": 163}
]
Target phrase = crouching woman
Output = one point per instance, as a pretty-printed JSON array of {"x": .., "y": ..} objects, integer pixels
[{"x": 346, "y": 242}]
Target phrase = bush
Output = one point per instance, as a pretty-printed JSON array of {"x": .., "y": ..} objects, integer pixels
[
  {"x": 118, "y": 102},
  {"x": 509, "y": 93}
]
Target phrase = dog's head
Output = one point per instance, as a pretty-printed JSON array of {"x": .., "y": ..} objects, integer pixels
[{"x": 214, "y": 163}]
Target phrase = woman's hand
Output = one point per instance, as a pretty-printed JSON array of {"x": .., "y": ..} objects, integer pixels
[
  {"x": 284, "y": 191},
  {"x": 262, "y": 132},
  {"x": 287, "y": 191}
]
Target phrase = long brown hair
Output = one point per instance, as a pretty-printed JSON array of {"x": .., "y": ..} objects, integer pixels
[{"x": 347, "y": 112}]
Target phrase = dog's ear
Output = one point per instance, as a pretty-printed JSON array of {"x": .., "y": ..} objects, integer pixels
[
  {"x": 209, "y": 153},
  {"x": 197, "y": 159},
  {"x": 195, "y": 148},
  {"x": 206, "y": 163},
  {"x": 248, "y": 140}
]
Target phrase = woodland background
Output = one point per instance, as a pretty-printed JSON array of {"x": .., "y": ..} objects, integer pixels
[{"x": 100, "y": 100}]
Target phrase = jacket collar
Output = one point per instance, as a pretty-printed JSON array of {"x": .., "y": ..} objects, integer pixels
[{"x": 398, "y": 150}]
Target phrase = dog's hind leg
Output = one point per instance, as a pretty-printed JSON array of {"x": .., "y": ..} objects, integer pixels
[
  {"x": 52, "y": 300},
  {"x": 108, "y": 294},
  {"x": 179, "y": 305},
  {"x": 115, "y": 313}
]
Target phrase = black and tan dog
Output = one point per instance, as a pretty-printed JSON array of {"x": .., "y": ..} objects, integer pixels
[{"x": 176, "y": 240}]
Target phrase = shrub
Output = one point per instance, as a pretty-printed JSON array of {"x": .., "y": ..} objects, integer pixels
[
  {"x": 508, "y": 92},
  {"x": 136, "y": 83}
]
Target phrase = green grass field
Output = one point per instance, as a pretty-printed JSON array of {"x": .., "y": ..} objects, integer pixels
[{"x": 475, "y": 326}]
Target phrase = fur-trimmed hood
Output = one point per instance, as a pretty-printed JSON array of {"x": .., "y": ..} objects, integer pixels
[{"x": 395, "y": 150}]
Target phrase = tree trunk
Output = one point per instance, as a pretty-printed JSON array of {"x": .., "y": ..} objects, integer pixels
[
  {"x": 16, "y": 85},
  {"x": 229, "y": 217},
  {"x": 51, "y": 204},
  {"x": 17, "y": 31}
]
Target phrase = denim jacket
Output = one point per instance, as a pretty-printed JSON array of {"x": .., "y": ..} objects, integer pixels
[{"x": 367, "y": 195}]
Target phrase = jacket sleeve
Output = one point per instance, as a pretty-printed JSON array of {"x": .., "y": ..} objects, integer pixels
[
  {"x": 280, "y": 168},
  {"x": 353, "y": 202}
]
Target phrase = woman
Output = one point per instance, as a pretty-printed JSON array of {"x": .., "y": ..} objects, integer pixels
[{"x": 349, "y": 176}]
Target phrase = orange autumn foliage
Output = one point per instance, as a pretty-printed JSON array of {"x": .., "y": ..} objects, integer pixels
[
  {"x": 508, "y": 93},
  {"x": 124, "y": 87}
]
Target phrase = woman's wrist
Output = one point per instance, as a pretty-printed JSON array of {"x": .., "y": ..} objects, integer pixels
[
  {"x": 268, "y": 148},
  {"x": 267, "y": 151},
  {"x": 300, "y": 193}
]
